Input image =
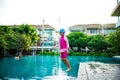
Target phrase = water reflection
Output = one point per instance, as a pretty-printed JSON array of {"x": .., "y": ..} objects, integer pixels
[
  {"x": 62, "y": 75},
  {"x": 44, "y": 67}
]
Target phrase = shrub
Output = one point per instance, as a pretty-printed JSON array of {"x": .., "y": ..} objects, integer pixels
[
  {"x": 98, "y": 42},
  {"x": 47, "y": 53},
  {"x": 77, "y": 39},
  {"x": 114, "y": 40},
  {"x": 72, "y": 53}
]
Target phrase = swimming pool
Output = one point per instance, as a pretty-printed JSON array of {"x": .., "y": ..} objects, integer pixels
[{"x": 44, "y": 67}]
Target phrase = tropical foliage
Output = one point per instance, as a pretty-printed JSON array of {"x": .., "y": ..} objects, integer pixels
[
  {"x": 72, "y": 53},
  {"x": 77, "y": 39},
  {"x": 114, "y": 40},
  {"x": 17, "y": 37},
  {"x": 97, "y": 43},
  {"x": 29, "y": 31},
  {"x": 48, "y": 53}
]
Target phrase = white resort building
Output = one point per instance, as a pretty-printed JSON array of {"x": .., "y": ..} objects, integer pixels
[
  {"x": 93, "y": 29},
  {"x": 48, "y": 37}
]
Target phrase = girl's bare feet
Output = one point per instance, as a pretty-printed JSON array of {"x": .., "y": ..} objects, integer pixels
[{"x": 68, "y": 69}]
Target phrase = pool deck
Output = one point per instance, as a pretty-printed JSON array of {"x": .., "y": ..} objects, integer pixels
[{"x": 98, "y": 71}]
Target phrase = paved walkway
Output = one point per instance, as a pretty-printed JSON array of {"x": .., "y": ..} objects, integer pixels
[{"x": 98, "y": 71}]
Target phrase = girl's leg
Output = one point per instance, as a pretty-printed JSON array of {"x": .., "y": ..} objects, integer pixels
[{"x": 66, "y": 62}]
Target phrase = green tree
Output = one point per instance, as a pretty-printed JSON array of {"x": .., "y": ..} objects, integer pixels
[
  {"x": 22, "y": 41},
  {"x": 3, "y": 43},
  {"x": 12, "y": 39},
  {"x": 17, "y": 42},
  {"x": 9, "y": 38},
  {"x": 77, "y": 39},
  {"x": 29, "y": 30},
  {"x": 97, "y": 42},
  {"x": 4, "y": 31},
  {"x": 114, "y": 40}
]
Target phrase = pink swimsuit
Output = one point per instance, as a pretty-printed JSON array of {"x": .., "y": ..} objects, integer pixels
[{"x": 63, "y": 47}]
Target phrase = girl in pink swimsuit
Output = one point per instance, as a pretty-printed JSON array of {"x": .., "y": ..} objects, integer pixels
[{"x": 64, "y": 46}]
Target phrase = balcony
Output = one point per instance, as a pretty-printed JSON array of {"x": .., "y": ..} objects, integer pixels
[{"x": 118, "y": 24}]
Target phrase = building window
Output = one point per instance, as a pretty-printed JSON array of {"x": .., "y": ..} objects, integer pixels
[
  {"x": 93, "y": 31},
  {"x": 78, "y": 31},
  {"x": 108, "y": 31},
  {"x": 48, "y": 44},
  {"x": 82, "y": 30}
]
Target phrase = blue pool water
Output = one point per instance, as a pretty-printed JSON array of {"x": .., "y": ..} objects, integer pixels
[{"x": 44, "y": 67}]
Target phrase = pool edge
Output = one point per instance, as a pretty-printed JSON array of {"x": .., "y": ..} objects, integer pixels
[{"x": 82, "y": 73}]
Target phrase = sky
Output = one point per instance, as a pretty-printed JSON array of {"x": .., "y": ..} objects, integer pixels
[{"x": 68, "y": 12}]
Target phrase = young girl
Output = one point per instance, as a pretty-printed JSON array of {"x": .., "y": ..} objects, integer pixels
[{"x": 64, "y": 46}]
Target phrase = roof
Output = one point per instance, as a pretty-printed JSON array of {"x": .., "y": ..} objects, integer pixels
[
  {"x": 116, "y": 10},
  {"x": 46, "y": 26},
  {"x": 86, "y": 25},
  {"x": 111, "y": 25}
]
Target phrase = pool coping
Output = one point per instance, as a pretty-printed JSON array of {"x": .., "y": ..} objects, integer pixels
[{"x": 82, "y": 71}]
